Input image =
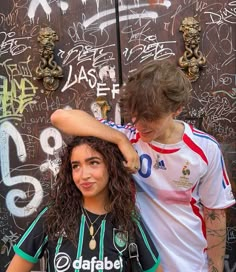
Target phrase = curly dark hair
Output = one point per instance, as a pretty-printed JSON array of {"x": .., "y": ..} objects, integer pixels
[
  {"x": 155, "y": 89},
  {"x": 66, "y": 199}
]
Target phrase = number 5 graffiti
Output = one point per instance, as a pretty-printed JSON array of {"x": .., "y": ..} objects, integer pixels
[{"x": 8, "y": 130}]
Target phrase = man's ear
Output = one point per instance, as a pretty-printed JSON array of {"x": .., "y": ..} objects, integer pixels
[{"x": 179, "y": 110}]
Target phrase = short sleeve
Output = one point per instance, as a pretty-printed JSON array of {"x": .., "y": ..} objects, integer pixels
[
  {"x": 33, "y": 241},
  {"x": 148, "y": 254},
  {"x": 129, "y": 130},
  {"x": 215, "y": 189}
]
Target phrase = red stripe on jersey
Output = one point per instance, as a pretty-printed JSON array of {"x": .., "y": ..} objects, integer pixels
[
  {"x": 197, "y": 131},
  {"x": 164, "y": 151},
  {"x": 133, "y": 141},
  {"x": 194, "y": 147},
  {"x": 197, "y": 213},
  {"x": 225, "y": 177}
]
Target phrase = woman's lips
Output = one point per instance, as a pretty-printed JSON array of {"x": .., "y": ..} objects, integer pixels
[{"x": 86, "y": 185}]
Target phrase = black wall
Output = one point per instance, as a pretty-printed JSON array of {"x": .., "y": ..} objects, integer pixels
[{"x": 96, "y": 54}]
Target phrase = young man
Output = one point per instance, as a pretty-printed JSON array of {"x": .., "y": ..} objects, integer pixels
[{"x": 183, "y": 188}]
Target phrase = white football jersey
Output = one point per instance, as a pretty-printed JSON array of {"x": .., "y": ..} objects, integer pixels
[{"x": 173, "y": 183}]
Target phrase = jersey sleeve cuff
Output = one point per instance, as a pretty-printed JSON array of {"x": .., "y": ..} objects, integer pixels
[
  {"x": 154, "y": 268},
  {"x": 24, "y": 255}
]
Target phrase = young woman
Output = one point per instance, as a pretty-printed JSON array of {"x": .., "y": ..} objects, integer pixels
[{"x": 90, "y": 217}]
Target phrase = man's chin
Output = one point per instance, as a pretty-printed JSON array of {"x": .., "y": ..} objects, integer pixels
[{"x": 146, "y": 139}]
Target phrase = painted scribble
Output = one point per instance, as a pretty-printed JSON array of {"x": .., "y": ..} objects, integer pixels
[{"x": 94, "y": 66}]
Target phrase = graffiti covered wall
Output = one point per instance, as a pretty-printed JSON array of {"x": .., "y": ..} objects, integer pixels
[{"x": 99, "y": 43}]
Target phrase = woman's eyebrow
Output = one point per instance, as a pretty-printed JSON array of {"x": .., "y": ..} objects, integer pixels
[{"x": 88, "y": 159}]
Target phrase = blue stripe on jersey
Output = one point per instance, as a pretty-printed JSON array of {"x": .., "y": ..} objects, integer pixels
[
  {"x": 223, "y": 184},
  {"x": 114, "y": 125},
  {"x": 40, "y": 248},
  {"x": 31, "y": 227},
  {"x": 225, "y": 181},
  {"x": 146, "y": 240},
  {"x": 101, "y": 243},
  {"x": 59, "y": 242},
  {"x": 81, "y": 238},
  {"x": 206, "y": 136}
]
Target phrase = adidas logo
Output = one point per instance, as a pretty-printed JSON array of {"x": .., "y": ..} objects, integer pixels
[{"x": 160, "y": 165}]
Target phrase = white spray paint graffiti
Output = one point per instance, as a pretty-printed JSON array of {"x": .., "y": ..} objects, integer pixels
[
  {"x": 44, "y": 137},
  {"x": 9, "y": 241},
  {"x": 117, "y": 114},
  {"x": 47, "y": 9},
  {"x": 90, "y": 77},
  {"x": 34, "y": 5},
  {"x": 106, "y": 72},
  {"x": 8, "y": 130},
  {"x": 144, "y": 15},
  {"x": 63, "y": 5},
  {"x": 96, "y": 110},
  {"x": 124, "y": 8},
  {"x": 227, "y": 265},
  {"x": 52, "y": 165}
]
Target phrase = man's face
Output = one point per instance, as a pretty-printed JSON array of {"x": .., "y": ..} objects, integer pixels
[{"x": 153, "y": 130}]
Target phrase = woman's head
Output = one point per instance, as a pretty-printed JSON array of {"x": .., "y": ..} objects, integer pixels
[
  {"x": 85, "y": 157},
  {"x": 90, "y": 174},
  {"x": 91, "y": 167}
]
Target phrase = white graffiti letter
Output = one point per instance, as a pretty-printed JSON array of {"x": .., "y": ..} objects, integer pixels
[
  {"x": 33, "y": 6},
  {"x": 7, "y": 130}
]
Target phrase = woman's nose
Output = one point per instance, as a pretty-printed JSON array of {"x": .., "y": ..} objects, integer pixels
[{"x": 85, "y": 172}]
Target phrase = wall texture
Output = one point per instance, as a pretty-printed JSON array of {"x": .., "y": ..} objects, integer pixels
[{"x": 100, "y": 42}]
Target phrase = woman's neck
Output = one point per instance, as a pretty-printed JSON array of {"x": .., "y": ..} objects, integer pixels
[{"x": 95, "y": 206}]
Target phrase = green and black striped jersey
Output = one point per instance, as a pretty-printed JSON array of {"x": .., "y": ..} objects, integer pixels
[{"x": 110, "y": 254}]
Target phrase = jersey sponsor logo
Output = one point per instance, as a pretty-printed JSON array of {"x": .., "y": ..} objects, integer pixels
[
  {"x": 95, "y": 265},
  {"x": 62, "y": 263}
]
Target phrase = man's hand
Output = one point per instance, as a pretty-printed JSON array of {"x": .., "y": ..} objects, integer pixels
[{"x": 130, "y": 155}]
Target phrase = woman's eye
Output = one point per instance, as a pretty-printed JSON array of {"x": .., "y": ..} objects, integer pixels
[
  {"x": 94, "y": 162},
  {"x": 75, "y": 166}
]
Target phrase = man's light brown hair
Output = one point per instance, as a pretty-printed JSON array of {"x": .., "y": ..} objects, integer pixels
[{"x": 155, "y": 89}]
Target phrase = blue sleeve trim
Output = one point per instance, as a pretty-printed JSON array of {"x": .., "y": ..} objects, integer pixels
[{"x": 24, "y": 255}]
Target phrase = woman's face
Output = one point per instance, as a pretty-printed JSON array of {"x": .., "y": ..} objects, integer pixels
[{"x": 89, "y": 172}]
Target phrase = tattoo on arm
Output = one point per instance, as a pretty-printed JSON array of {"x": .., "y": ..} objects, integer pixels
[
  {"x": 216, "y": 237},
  {"x": 212, "y": 215}
]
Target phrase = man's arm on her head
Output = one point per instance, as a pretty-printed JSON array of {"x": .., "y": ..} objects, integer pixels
[
  {"x": 80, "y": 123},
  {"x": 215, "y": 221},
  {"x": 19, "y": 264}
]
